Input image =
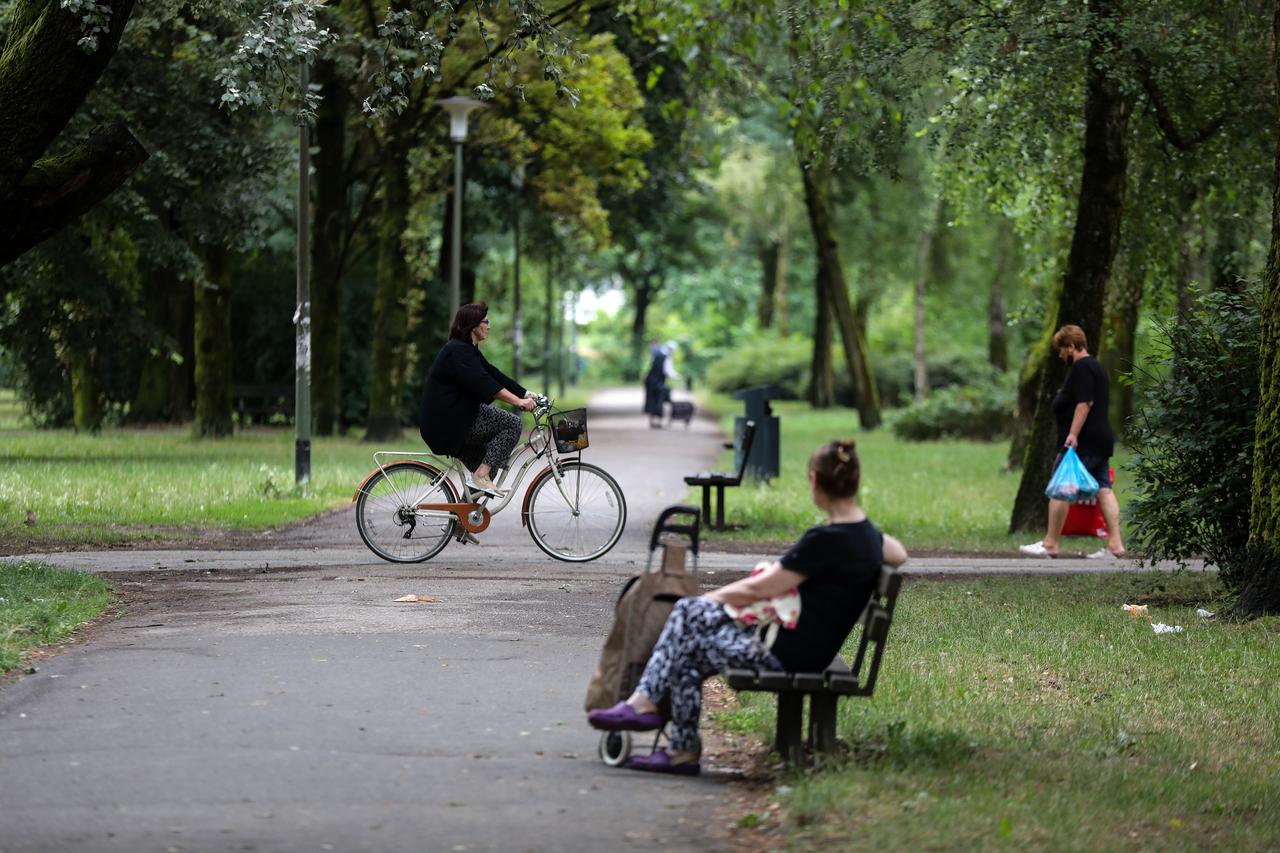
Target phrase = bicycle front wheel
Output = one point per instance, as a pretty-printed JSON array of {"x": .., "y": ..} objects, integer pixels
[
  {"x": 387, "y": 515},
  {"x": 580, "y": 518}
]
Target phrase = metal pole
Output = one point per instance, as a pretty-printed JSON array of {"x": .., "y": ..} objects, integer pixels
[
  {"x": 573, "y": 337},
  {"x": 455, "y": 249},
  {"x": 560, "y": 346},
  {"x": 302, "y": 315},
  {"x": 546, "y": 340},
  {"x": 517, "y": 333}
]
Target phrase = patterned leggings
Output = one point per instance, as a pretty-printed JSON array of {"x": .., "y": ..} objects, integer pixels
[
  {"x": 698, "y": 641},
  {"x": 492, "y": 437}
]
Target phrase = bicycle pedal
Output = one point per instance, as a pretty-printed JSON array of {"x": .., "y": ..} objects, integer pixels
[{"x": 466, "y": 538}]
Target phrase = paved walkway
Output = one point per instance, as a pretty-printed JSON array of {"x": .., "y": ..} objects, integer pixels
[{"x": 277, "y": 698}]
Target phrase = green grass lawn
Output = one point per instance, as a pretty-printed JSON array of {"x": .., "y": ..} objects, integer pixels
[
  {"x": 133, "y": 484},
  {"x": 40, "y": 605},
  {"x": 125, "y": 485},
  {"x": 946, "y": 495},
  {"x": 1032, "y": 712}
]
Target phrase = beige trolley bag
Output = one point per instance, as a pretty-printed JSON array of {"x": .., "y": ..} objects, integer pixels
[{"x": 638, "y": 617}]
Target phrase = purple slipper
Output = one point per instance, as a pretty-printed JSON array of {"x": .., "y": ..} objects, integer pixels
[
  {"x": 660, "y": 762},
  {"x": 622, "y": 717}
]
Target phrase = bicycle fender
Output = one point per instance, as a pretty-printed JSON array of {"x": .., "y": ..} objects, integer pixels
[
  {"x": 376, "y": 471},
  {"x": 528, "y": 493}
]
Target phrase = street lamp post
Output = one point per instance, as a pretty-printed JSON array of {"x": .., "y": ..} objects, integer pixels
[
  {"x": 458, "y": 109},
  {"x": 302, "y": 314},
  {"x": 517, "y": 329}
]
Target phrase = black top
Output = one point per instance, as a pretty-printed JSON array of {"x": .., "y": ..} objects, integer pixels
[
  {"x": 841, "y": 564},
  {"x": 459, "y": 383},
  {"x": 1086, "y": 382}
]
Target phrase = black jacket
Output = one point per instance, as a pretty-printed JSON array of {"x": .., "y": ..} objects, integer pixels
[{"x": 459, "y": 383}]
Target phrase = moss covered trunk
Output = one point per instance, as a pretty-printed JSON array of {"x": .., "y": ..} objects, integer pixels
[
  {"x": 1261, "y": 592},
  {"x": 329, "y": 249},
  {"x": 390, "y": 304},
  {"x": 1124, "y": 299},
  {"x": 213, "y": 345},
  {"x": 831, "y": 282},
  {"x": 1094, "y": 242}
]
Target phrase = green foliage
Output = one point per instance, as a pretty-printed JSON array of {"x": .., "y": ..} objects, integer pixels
[
  {"x": 782, "y": 362},
  {"x": 982, "y": 412},
  {"x": 1193, "y": 436},
  {"x": 40, "y": 605}
]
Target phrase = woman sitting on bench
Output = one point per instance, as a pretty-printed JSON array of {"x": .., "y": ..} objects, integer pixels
[{"x": 836, "y": 567}]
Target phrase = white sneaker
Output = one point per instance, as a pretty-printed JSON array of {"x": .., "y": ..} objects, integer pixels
[
  {"x": 1103, "y": 554},
  {"x": 1036, "y": 549},
  {"x": 484, "y": 486}
]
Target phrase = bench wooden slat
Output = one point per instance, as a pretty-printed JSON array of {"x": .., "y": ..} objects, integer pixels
[{"x": 825, "y": 688}]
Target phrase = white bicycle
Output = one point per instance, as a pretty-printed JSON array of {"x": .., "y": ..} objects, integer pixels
[{"x": 409, "y": 506}]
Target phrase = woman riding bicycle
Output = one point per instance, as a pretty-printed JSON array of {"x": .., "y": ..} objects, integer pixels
[{"x": 456, "y": 416}]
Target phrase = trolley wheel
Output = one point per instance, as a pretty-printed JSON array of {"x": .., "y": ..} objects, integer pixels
[{"x": 615, "y": 748}]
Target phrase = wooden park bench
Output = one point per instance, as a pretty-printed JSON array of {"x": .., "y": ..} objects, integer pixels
[
  {"x": 258, "y": 403},
  {"x": 825, "y": 688},
  {"x": 720, "y": 482}
]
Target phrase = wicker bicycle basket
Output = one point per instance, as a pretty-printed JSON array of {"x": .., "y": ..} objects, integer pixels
[{"x": 570, "y": 430}]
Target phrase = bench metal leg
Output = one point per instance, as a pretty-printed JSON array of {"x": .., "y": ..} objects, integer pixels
[
  {"x": 706, "y": 504},
  {"x": 719, "y": 507},
  {"x": 822, "y": 722},
  {"x": 787, "y": 740}
]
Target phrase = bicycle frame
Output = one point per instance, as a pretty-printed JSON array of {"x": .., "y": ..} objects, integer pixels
[{"x": 540, "y": 431}]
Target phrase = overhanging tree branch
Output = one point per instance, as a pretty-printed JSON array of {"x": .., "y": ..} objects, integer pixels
[
  {"x": 1164, "y": 117},
  {"x": 58, "y": 190}
]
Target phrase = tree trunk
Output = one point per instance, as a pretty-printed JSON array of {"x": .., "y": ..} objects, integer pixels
[
  {"x": 390, "y": 303},
  {"x": 924, "y": 263},
  {"x": 1116, "y": 350},
  {"x": 830, "y": 277},
  {"x": 1261, "y": 593},
  {"x": 644, "y": 297},
  {"x": 821, "y": 381},
  {"x": 770, "y": 254},
  {"x": 44, "y": 77},
  {"x": 997, "y": 327},
  {"x": 1225, "y": 260},
  {"x": 151, "y": 402},
  {"x": 1093, "y": 248},
  {"x": 86, "y": 390},
  {"x": 328, "y": 249},
  {"x": 213, "y": 345}
]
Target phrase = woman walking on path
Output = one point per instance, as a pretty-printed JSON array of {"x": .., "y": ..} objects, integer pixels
[
  {"x": 655, "y": 385},
  {"x": 836, "y": 567},
  {"x": 1080, "y": 408},
  {"x": 456, "y": 418}
]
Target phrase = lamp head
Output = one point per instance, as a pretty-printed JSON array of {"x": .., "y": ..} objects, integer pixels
[{"x": 458, "y": 108}]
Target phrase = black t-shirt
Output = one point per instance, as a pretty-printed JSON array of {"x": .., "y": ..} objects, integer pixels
[
  {"x": 841, "y": 564},
  {"x": 1086, "y": 382}
]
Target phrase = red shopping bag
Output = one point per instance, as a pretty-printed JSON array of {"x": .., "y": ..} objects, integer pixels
[{"x": 1085, "y": 518}]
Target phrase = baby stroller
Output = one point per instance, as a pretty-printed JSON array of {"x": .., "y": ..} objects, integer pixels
[{"x": 639, "y": 614}]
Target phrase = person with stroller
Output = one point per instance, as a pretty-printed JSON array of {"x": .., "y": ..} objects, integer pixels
[
  {"x": 456, "y": 416},
  {"x": 835, "y": 566}
]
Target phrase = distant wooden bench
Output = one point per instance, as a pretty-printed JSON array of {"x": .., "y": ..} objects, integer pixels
[
  {"x": 720, "y": 482},
  {"x": 825, "y": 688},
  {"x": 258, "y": 403}
]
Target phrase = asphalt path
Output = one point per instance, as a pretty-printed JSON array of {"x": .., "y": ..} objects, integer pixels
[{"x": 276, "y": 697}]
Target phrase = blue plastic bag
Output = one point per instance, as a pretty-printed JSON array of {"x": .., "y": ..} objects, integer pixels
[{"x": 1072, "y": 482}]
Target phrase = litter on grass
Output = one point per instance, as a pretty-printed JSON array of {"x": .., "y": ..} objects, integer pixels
[
  {"x": 1161, "y": 628},
  {"x": 419, "y": 599},
  {"x": 1203, "y": 614},
  {"x": 1137, "y": 611}
]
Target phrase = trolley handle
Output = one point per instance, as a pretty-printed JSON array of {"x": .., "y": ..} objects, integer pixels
[{"x": 664, "y": 526}]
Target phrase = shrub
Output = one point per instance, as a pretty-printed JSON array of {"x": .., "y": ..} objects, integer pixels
[
  {"x": 982, "y": 411},
  {"x": 1193, "y": 436},
  {"x": 782, "y": 362}
]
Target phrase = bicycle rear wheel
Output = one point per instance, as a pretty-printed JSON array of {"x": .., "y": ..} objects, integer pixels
[
  {"x": 386, "y": 513},
  {"x": 582, "y": 518}
]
